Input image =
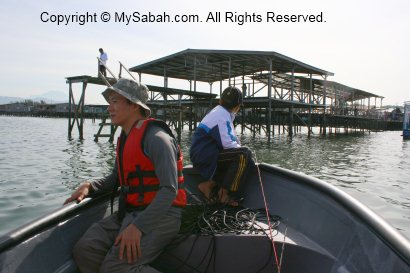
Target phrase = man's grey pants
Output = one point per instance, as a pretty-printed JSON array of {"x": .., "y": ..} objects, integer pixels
[{"x": 95, "y": 251}]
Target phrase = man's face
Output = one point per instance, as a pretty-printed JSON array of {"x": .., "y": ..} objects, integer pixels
[{"x": 121, "y": 111}]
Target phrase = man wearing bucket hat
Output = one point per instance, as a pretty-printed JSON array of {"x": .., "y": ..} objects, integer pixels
[
  {"x": 217, "y": 153},
  {"x": 148, "y": 170}
]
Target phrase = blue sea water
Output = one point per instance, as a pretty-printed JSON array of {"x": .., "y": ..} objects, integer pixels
[{"x": 40, "y": 166}]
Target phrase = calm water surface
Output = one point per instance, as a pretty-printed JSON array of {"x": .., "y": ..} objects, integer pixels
[{"x": 39, "y": 166}]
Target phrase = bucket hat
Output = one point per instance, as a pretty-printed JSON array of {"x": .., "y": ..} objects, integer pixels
[{"x": 134, "y": 91}]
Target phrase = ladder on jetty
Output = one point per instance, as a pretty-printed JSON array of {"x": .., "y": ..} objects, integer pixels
[
  {"x": 113, "y": 128},
  {"x": 79, "y": 109},
  {"x": 78, "y": 116},
  {"x": 104, "y": 123}
]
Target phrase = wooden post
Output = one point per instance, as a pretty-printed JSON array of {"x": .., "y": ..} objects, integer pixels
[
  {"x": 179, "y": 118},
  {"x": 81, "y": 102},
  {"x": 70, "y": 98},
  {"x": 310, "y": 105},
  {"x": 290, "y": 115},
  {"x": 324, "y": 106},
  {"x": 269, "y": 121}
]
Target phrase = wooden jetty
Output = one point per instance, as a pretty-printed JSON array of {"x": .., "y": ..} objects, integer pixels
[{"x": 278, "y": 91}]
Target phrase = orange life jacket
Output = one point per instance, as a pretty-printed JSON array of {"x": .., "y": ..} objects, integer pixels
[{"x": 136, "y": 172}]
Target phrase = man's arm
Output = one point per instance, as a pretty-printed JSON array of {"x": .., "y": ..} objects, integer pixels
[
  {"x": 107, "y": 183},
  {"x": 100, "y": 185}
]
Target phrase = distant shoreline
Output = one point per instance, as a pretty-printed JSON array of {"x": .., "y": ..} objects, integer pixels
[{"x": 51, "y": 115}]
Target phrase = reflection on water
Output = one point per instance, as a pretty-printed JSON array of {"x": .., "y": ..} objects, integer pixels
[
  {"x": 85, "y": 160},
  {"x": 373, "y": 168},
  {"x": 39, "y": 166}
]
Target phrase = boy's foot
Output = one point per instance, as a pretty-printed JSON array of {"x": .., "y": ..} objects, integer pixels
[
  {"x": 225, "y": 199},
  {"x": 206, "y": 188}
]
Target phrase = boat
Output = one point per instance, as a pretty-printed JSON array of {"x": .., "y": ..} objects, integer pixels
[{"x": 321, "y": 229}]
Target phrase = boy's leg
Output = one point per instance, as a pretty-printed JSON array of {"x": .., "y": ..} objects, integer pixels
[
  {"x": 206, "y": 188},
  {"x": 235, "y": 164}
]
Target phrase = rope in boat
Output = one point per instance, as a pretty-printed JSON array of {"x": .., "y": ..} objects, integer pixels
[
  {"x": 209, "y": 218},
  {"x": 220, "y": 219},
  {"x": 214, "y": 219},
  {"x": 267, "y": 213}
]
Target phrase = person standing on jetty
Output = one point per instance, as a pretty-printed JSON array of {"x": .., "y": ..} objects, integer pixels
[
  {"x": 217, "y": 153},
  {"x": 148, "y": 170},
  {"x": 102, "y": 62}
]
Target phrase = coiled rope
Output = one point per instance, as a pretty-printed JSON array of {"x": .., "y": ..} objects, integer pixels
[
  {"x": 212, "y": 219},
  {"x": 207, "y": 219}
]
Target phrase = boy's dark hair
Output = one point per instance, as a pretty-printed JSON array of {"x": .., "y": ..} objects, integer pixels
[{"x": 231, "y": 97}]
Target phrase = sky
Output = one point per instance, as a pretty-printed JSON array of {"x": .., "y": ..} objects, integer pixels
[{"x": 366, "y": 44}]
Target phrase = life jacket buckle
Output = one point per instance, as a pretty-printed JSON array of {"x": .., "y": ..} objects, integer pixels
[{"x": 125, "y": 189}]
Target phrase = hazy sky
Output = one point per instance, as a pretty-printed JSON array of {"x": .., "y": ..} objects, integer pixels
[{"x": 365, "y": 43}]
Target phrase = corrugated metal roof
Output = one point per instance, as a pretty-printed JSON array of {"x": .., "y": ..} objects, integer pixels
[
  {"x": 348, "y": 93},
  {"x": 303, "y": 84},
  {"x": 213, "y": 65}
]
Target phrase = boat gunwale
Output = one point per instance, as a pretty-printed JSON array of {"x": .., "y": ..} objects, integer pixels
[
  {"x": 22, "y": 233},
  {"x": 379, "y": 226}
]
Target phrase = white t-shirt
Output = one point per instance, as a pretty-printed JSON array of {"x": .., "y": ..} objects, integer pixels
[{"x": 104, "y": 58}]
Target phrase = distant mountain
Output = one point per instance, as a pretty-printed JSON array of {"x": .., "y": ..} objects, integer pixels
[
  {"x": 6, "y": 100},
  {"x": 48, "y": 97},
  {"x": 51, "y": 97}
]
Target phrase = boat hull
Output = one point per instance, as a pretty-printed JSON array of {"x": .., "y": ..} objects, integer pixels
[{"x": 323, "y": 230}]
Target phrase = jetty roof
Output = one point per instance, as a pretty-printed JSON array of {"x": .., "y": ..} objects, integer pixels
[
  {"x": 214, "y": 65},
  {"x": 281, "y": 80},
  {"x": 347, "y": 92},
  {"x": 350, "y": 93}
]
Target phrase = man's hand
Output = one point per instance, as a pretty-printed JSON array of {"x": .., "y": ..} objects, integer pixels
[
  {"x": 79, "y": 194},
  {"x": 129, "y": 240}
]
